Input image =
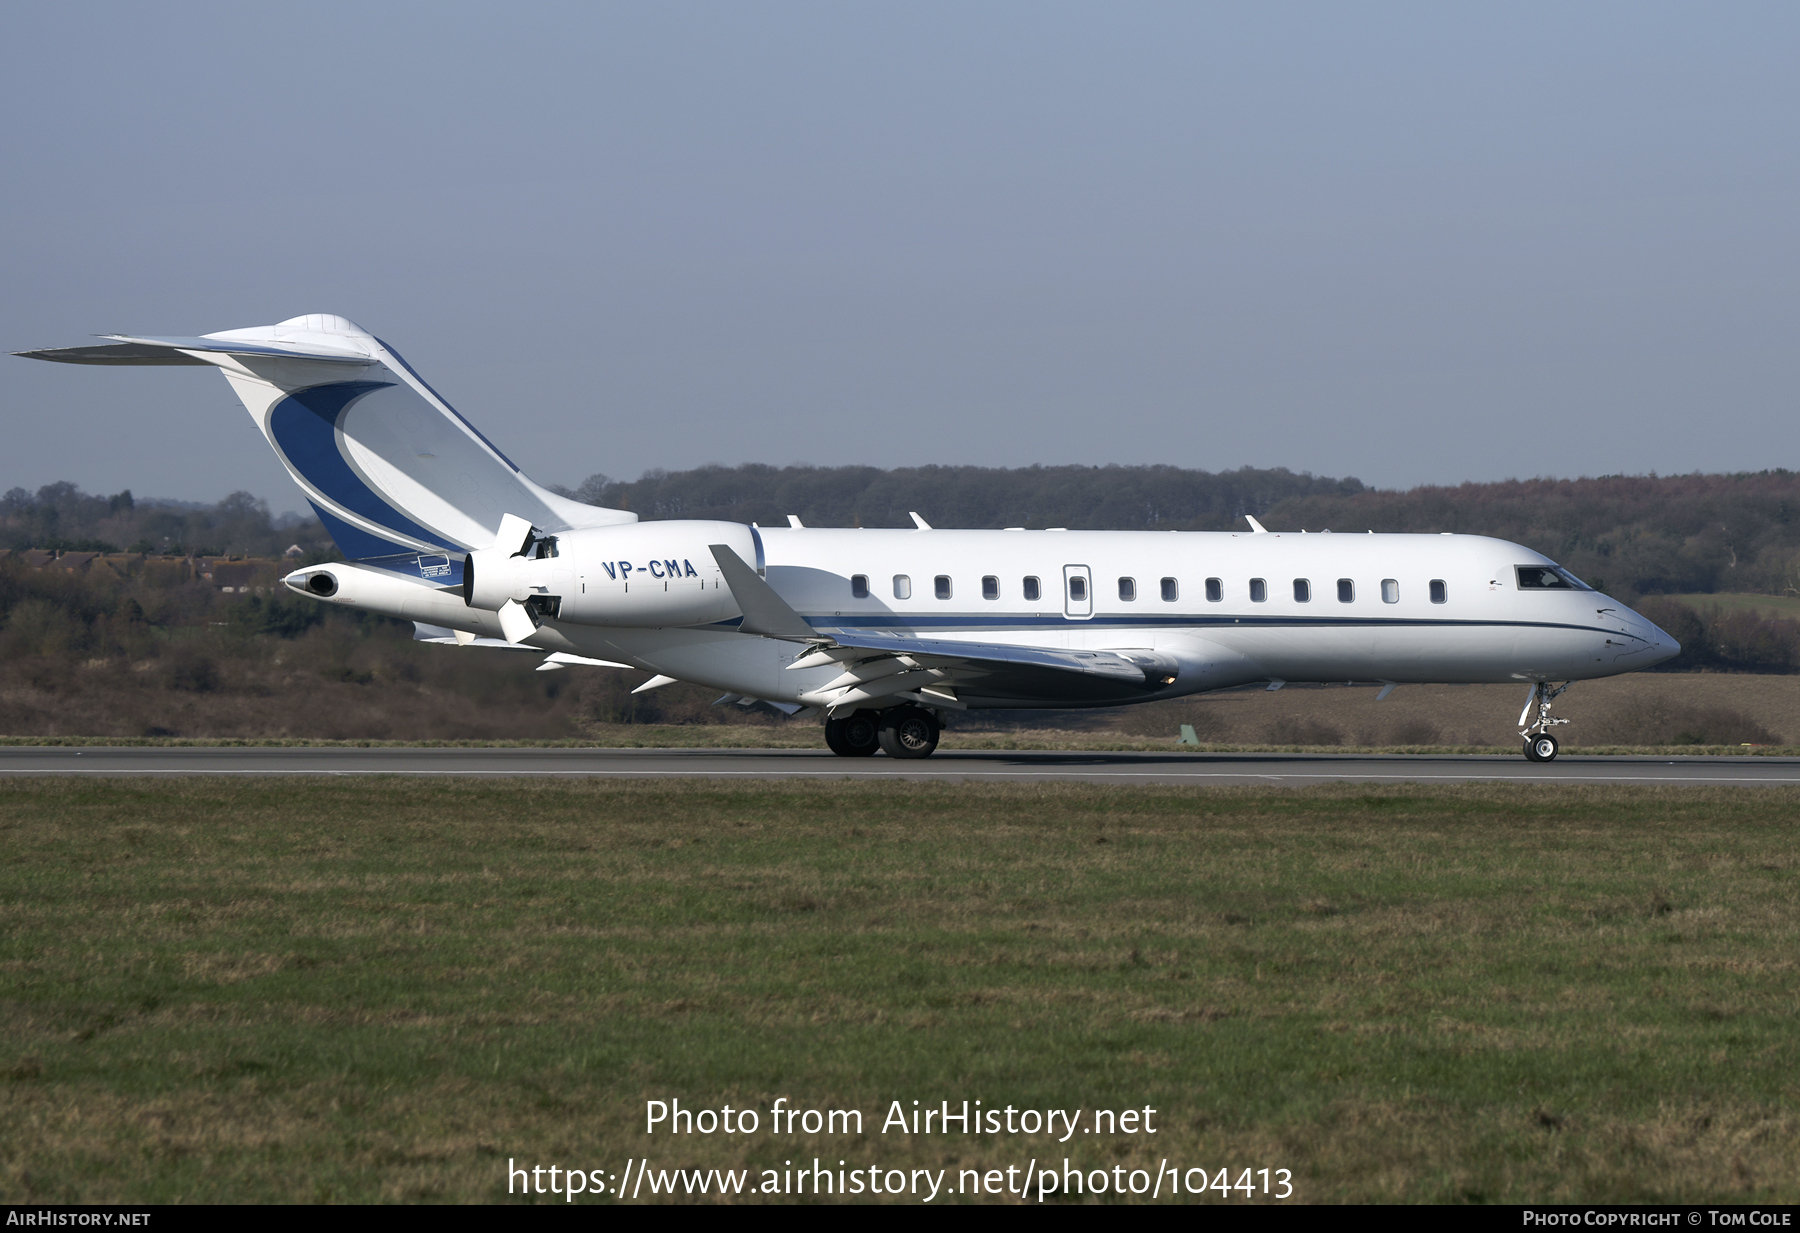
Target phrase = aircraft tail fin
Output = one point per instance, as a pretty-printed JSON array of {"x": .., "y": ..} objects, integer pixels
[{"x": 387, "y": 463}]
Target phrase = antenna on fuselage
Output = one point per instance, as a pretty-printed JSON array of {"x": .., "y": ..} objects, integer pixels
[{"x": 1256, "y": 526}]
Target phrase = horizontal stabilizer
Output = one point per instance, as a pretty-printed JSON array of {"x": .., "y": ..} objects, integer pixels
[
  {"x": 126, "y": 349},
  {"x": 232, "y": 346},
  {"x": 114, "y": 353}
]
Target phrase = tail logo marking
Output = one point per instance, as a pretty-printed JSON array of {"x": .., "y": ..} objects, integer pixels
[{"x": 304, "y": 428}]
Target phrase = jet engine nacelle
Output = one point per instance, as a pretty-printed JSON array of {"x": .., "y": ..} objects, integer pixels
[
  {"x": 356, "y": 585},
  {"x": 644, "y": 574}
]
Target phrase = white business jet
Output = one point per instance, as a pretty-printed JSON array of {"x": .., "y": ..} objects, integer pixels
[{"x": 881, "y": 632}]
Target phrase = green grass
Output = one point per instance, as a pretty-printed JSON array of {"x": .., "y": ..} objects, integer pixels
[{"x": 382, "y": 989}]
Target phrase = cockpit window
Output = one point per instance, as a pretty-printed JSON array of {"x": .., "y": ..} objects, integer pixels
[{"x": 1548, "y": 578}]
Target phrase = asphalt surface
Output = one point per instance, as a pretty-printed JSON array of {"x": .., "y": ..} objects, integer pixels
[{"x": 986, "y": 766}]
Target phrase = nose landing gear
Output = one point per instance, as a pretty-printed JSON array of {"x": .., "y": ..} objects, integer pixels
[{"x": 1540, "y": 746}]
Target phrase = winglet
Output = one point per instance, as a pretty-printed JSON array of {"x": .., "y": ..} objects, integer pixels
[
  {"x": 765, "y": 612},
  {"x": 1256, "y": 526}
]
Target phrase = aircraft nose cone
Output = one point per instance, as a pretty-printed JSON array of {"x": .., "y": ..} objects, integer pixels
[{"x": 1662, "y": 645}]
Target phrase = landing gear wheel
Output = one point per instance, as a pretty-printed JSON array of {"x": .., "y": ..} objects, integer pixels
[
  {"x": 857, "y": 735},
  {"x": 908, "y": 732},
  {"x": 1541, "y": 748}
]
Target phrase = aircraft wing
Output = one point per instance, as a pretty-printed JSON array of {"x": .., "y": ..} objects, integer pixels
[
  {"x": 947, "y": 672},
  {"x": 940, "y": 671}
]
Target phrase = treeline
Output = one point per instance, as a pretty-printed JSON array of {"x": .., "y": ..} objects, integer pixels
[
  {"x": 63, "y": 518},
  {"x": 1112, "y": 498},
  {"x": 1630, "y": 535},
  {"x": 1718, "y": 639}
]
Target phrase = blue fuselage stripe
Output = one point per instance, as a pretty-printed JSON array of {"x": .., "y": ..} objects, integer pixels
[{"x": 1190, "y": 621}]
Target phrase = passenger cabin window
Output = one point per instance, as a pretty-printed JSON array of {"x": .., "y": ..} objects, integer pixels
[
  {"x": 902, "y": 586},
  {"x": 1215, "y": 590},
  {"x": 1032, "y": 590},
  {"x": 1171, "y": 590},
  {"x": 1259, "y": 591},
  {"x": 990, "y": 587},
  {"x": 1548, "y": 578},
  {"x": 1439, "y": 592},
  {"x": 1302, "y": 591},
  {"x": 1346, "y": 591},
  {"x": 1390, "y": 591},
  {"x": 1077, "y": 588},
  {"x": 1128, "y": 589},
  {"x": 941, "y": 584},
  {"x": 859, "y": 586}
]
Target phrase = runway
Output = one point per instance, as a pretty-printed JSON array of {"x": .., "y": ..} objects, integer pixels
[{"x": 963, "y": 766}]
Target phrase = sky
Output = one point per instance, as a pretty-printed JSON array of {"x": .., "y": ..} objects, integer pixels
[{"x": 1414, "y": 243}]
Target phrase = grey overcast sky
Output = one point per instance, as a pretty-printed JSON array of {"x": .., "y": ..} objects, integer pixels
[{"x": 1416, "y": 243}]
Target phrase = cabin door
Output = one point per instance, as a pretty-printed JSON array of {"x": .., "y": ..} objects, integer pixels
[{"x": 1078, "y": 593}]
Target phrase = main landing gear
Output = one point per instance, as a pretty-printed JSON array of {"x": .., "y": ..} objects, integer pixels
[
  {"x": 899, "y": 732},
  {"x": 1540, "y": 746},
  {"x": 856, "y": 735}
]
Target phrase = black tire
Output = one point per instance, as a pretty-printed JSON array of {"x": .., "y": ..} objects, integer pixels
[
  {"x": 1541, "y": 748},
  {"x": 856, "y": 735},
  {"x": 908, "y": 732}
]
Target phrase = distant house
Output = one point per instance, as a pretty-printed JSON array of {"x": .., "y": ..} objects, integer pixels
[
  {"x": 68, "y": 562},
  {"x": 295, "y": 551},
  {"x": 232, "y": 575}
]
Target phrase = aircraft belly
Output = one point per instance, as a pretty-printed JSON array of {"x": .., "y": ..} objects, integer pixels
[
  {"x": 447, "y": 609},
  {"x": 720, "y": 659},
  {"x": 1413, "y": 653}
]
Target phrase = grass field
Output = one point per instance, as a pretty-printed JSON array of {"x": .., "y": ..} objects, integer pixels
[{"x": 384, "y": 989}]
